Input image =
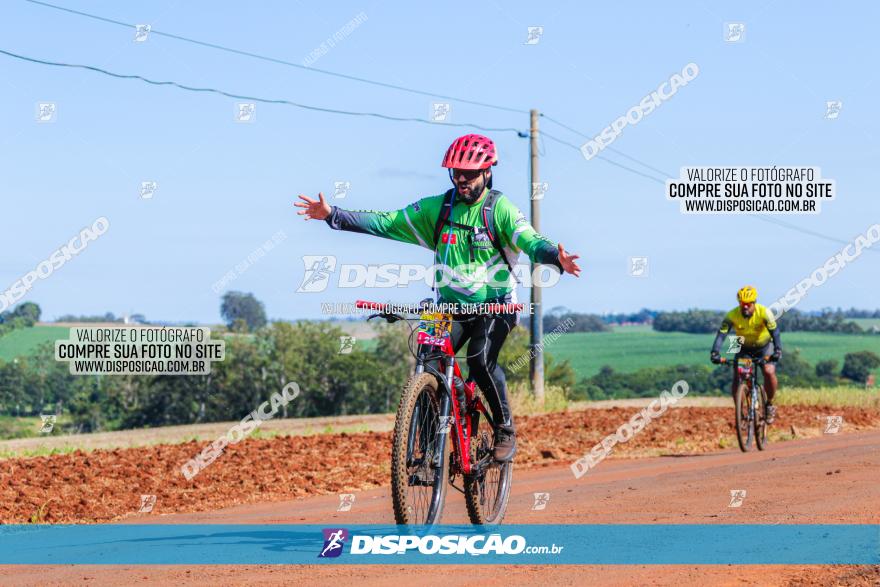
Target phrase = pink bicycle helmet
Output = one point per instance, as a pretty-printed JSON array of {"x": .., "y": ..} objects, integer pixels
[{"x": 471, "y": 152}]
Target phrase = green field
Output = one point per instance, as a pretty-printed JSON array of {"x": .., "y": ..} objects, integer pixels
[
  {"x": 23, "y": 341},
  {"x": 626, "y": 349},
  {"x": 867, "y": 323},
  {"x": 630, "y": 348}
]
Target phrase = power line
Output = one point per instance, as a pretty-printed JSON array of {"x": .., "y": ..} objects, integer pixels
[
  {"x": 770, "y": 219},
  {"x": 280, "y": 61},
  {"x": 784, "y": 224},
  {"x": 377, "y": 115},
  {"x": 605, "y": 159},
  {"x": 619, "y": 152},
  {"x": 254, "y": 98},
  {"x": 345, "y": 76}
]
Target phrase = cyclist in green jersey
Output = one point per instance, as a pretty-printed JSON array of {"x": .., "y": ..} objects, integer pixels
[{"x": 476, "y": 234}]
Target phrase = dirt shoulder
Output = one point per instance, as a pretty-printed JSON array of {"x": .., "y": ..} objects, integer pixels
[
  {"x": 107, "y": 484},
  {"x": 291, "y": 426},
  {"x": 824, "y": 479}
]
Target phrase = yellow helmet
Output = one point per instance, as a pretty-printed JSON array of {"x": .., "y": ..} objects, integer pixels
[{"x": 747, "y": 294}]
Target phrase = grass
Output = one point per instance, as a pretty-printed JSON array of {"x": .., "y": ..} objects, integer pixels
[
  {"x": 42, "y": 451},
  {"x": 23, "y": 341},
  {"x": 523, "y": 402},
  {"x": 12, "y": 427},
  {"x": 866, "y": 323},
  {"x": 842, "y": 396},
  {"x": 15, "y": 427},
  {"x": 630, "y": 348}
]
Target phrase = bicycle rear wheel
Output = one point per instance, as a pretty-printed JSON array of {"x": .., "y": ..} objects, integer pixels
[
  {"x": 418, "y": 470},
  {"x": 743, "y": 426},
  {"x": 760, "y": 421},
  {"x": 487, "y": 490}
]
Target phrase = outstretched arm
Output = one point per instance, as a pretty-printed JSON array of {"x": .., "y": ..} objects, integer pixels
[
  {"x": 406, "y": 225},
  {"x": 313, "y": 209}
]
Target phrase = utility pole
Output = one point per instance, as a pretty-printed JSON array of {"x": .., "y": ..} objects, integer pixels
[{"x": 536, "y": 367}]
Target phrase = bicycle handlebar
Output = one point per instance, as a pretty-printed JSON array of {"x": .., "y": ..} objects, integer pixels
[
  {"x": 758, "y": 361},
  {"x": 383, "y": 308},
  {"x": 365, "y": 305}
]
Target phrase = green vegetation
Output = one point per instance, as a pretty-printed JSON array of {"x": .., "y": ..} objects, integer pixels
[
  {"x": 705, "y": 321},
  {"x": 858, "y": 366},
  {"x": 106, "y": 318},
  {"x": 630, "y": 348},
  {"x": 363, "y": 381},
  {"x": 792, "y": 371},
  {"x": 23, "y": 315},
  {"x": 24, "y": 341},
  {"x": 591, "y": 361},
  {"x": 867, "y": 323},
  {"x": 42, "y": 451},
  {"x": 840, "y": 396},
  {"x": 12, "y": 427},
  {"x": 523, "y": 400},
  {"x": 693, "y": 321},
  {"x": 242, "y": 311}
]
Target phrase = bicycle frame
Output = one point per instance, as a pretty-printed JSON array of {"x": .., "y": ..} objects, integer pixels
[
  {"x": 750, "y": 376},
  {"x": 745, "y": 370},
  {"x": 452, "y": 402}
]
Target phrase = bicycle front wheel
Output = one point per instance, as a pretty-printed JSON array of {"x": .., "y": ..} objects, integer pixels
[
  {"x": 743, "y": 425},
  {"x": 419, "y": 458},
  {"x": 760, "y": 419}
]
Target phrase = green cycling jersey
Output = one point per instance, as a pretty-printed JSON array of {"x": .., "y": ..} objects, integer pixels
[{"x": 468, "y": 267}]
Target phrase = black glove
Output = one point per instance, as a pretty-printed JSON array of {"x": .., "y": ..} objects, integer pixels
[
  {"x": 777, "y": 354},
  {"x": 715, "y": 357}
]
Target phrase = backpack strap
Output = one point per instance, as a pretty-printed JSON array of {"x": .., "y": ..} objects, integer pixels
[
  {"x": 488, "y": 213},
  {"x": 489, "y": 223},
  {"x": 443, "y": 217}
]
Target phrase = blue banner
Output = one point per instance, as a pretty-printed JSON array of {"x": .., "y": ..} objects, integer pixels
[{"x": 206, "y": 544}]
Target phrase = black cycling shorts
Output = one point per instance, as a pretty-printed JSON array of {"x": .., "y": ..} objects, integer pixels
[{"x": 757, "y": 352}]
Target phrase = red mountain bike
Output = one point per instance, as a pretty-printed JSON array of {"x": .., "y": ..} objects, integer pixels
[{"x": 435, "y": 404}]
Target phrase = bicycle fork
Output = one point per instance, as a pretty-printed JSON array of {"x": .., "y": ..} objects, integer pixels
[
  {"x": 753, "y": 402},
  {"x": 445, "y": 420}
]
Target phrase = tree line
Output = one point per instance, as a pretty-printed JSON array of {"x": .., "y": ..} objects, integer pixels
[
  {"x": 23, "y": 315},
  {"x": 697, "y": 321},
  {"x": 792, "y": 370},
  {"x": 256, "y": 365},
  {"x": 368, "y": 379}
]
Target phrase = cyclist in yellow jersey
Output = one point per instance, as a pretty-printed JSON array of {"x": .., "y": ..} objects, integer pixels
[{"x": 759, "y": 338}]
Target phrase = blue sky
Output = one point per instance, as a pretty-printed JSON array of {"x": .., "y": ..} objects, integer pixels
[{"x": 225, "y": 187}]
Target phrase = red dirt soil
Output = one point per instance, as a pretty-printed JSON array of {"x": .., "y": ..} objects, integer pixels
[
  {"x": 106, "y": 485},
  {"x": 830, "y": 478}
]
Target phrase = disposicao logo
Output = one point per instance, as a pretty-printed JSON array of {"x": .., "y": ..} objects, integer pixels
[{"x": 334, "y": 540}]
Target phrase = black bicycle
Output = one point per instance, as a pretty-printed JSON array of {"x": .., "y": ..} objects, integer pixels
[{"x": 750, "y": 401}]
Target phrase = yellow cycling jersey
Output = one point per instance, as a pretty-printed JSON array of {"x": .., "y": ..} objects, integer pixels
[{"x": 754, "y": 330}]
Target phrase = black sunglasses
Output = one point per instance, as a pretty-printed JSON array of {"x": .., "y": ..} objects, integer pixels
[{"x": 468, "y": 174}]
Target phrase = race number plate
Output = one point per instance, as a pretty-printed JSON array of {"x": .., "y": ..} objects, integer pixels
[{"x": 434, "y": 329}]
